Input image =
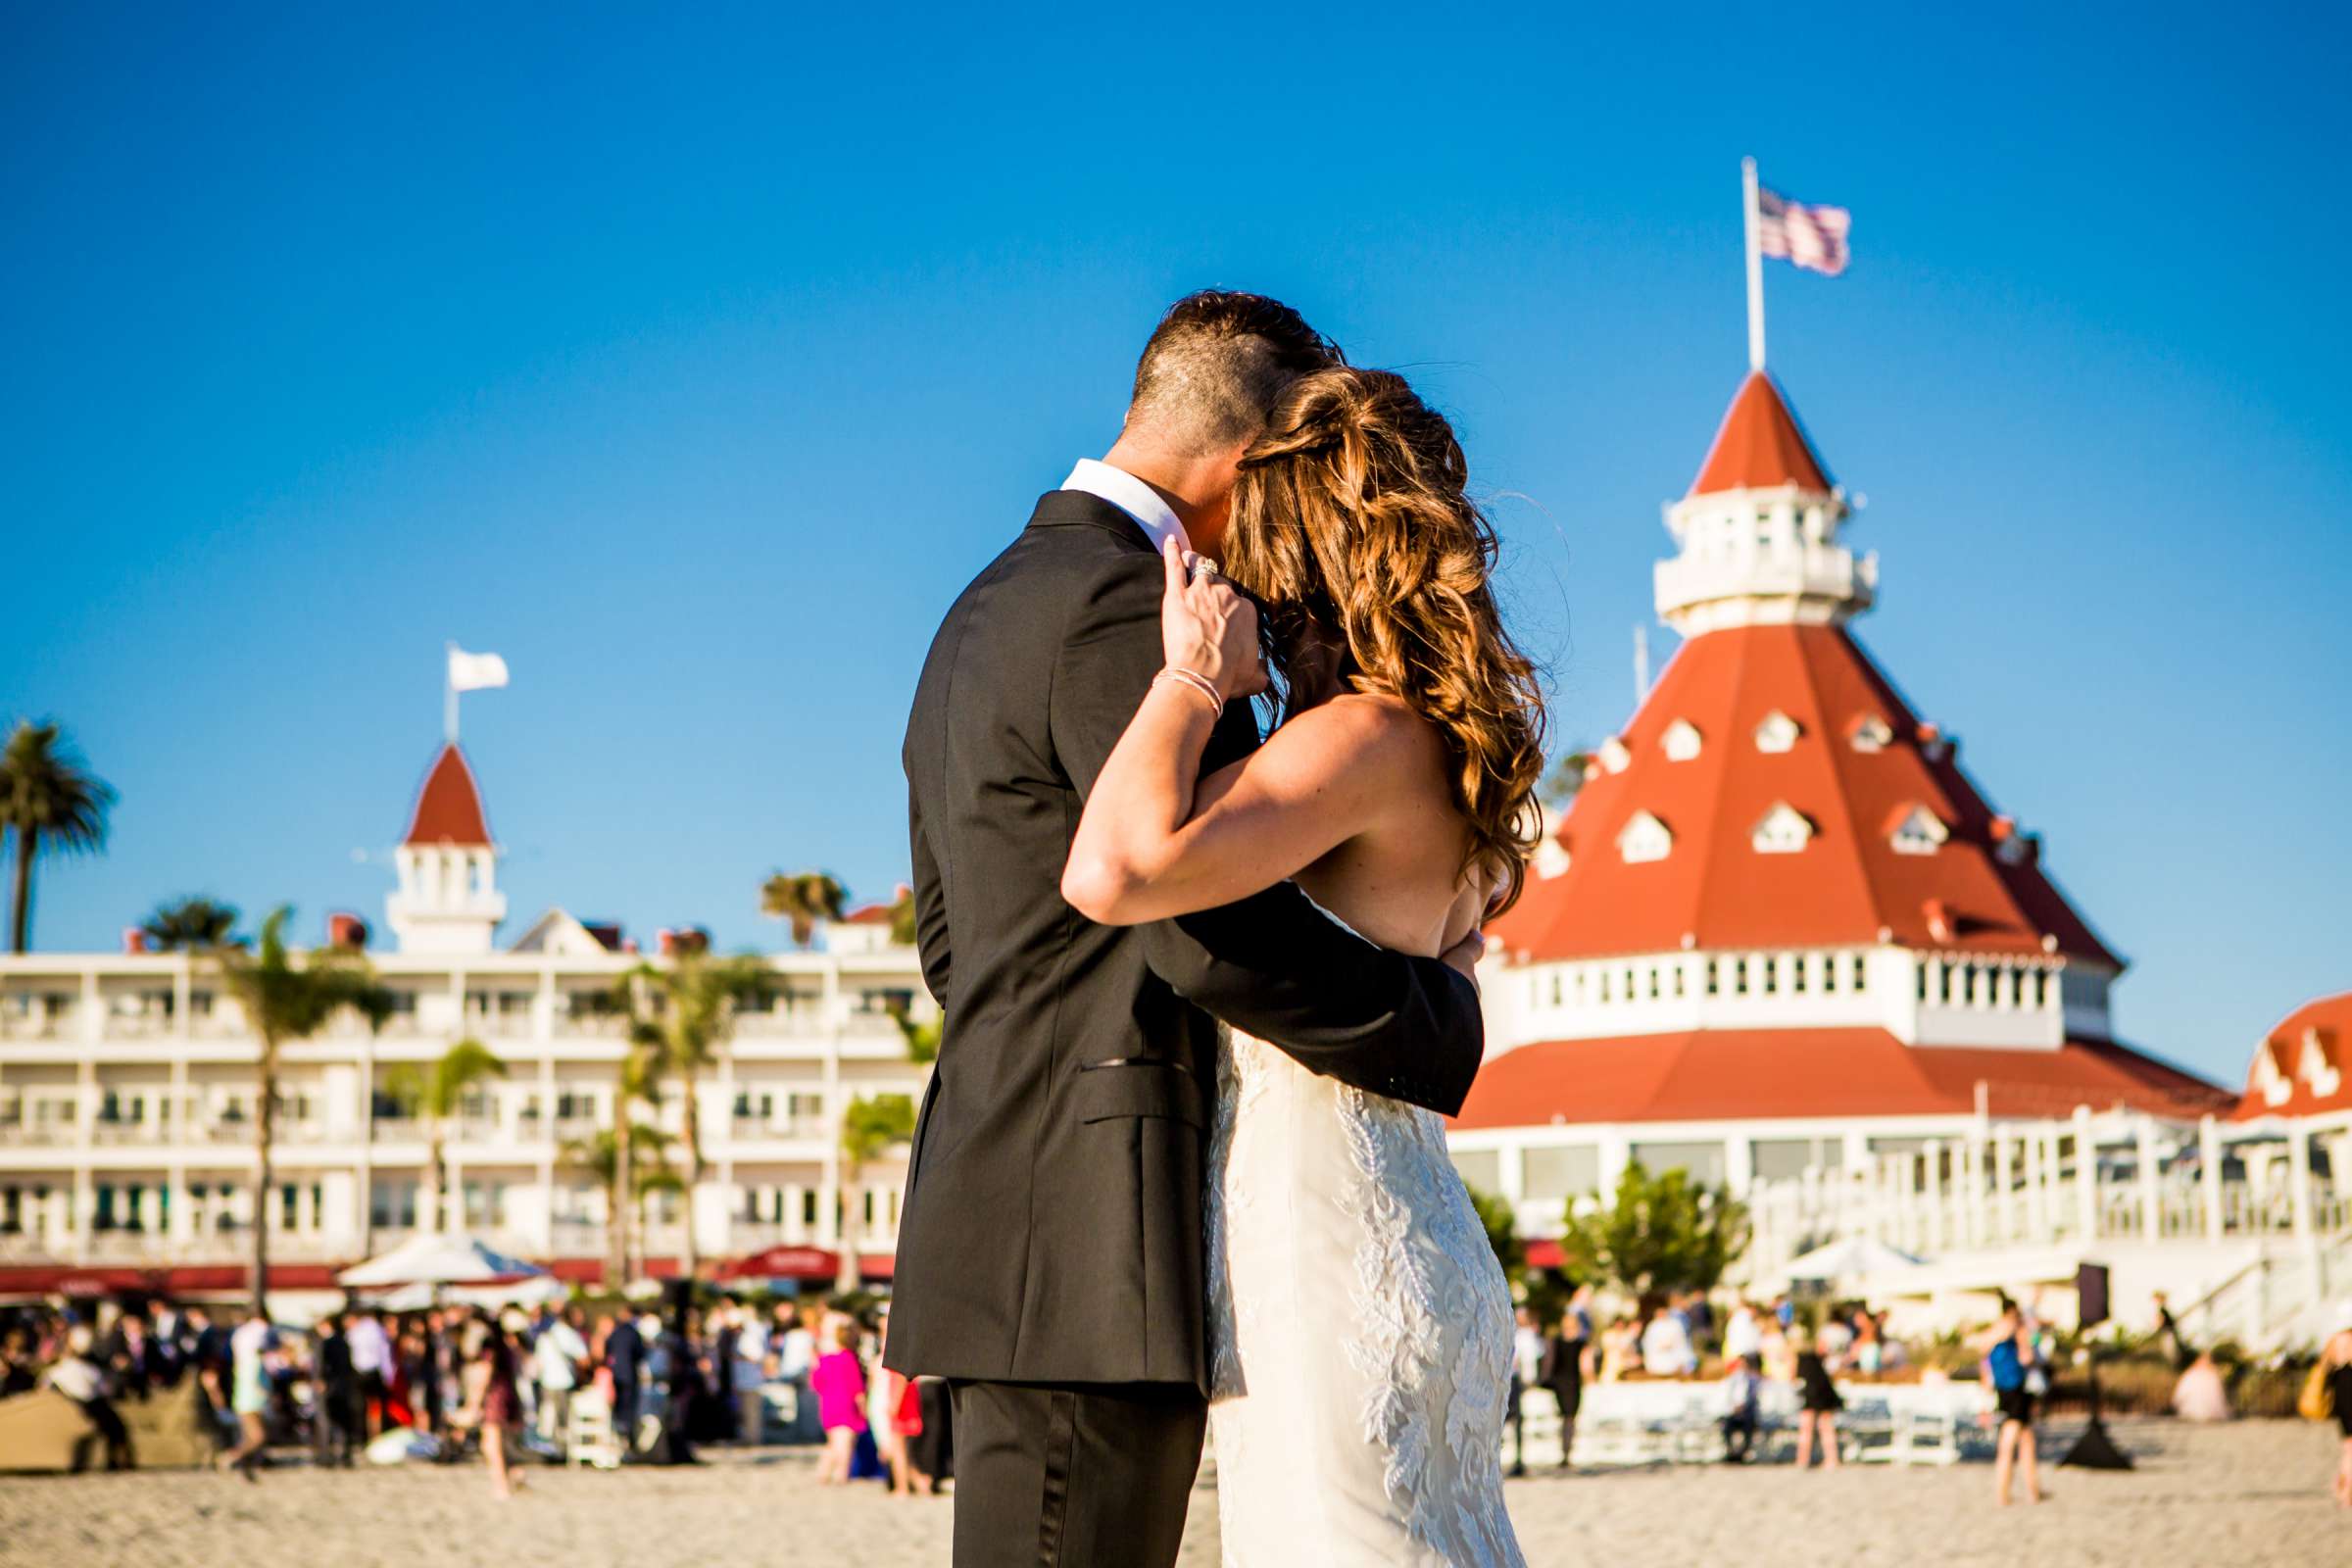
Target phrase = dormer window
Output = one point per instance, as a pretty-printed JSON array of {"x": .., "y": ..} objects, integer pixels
[
  {"x": 1783, "y": 831},
  {"x": 1552, "y": 859},
  {"x": 1778, "y": 732},
  {"x": 2276, "y": 1086},
  {"x": 1870, "y": 733},
  {"x": 1644, "y": 838},
  {"x": 1681, "y": 742},
  {"x": 2314, "y": 1068},
  {"x": 1614, "y": 756},
  {"x": 1916, "y": 830}
]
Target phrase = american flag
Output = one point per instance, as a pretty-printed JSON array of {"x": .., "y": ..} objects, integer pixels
[{"x": 1812, "y": 238}]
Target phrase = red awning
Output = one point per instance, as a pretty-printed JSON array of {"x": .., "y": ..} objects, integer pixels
[
  {"x": 810, "y": 1265},
  {"x": 1546, "y": 1255}
]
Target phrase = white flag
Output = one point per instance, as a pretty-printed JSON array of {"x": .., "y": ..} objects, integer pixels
[{"x": 472, "y": 672}]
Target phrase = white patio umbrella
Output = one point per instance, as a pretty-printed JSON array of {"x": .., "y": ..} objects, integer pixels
[
  {"x": 1851, "y": 1258},
  {"x": 453, "y": 1259},
  {"x": 528, "y": 1292}
]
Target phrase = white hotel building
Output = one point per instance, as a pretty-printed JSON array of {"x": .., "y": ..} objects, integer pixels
[{"x": 128, "y": 1095}]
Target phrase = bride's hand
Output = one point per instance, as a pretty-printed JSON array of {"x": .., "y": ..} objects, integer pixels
[{"x": 1209, "y": 627}]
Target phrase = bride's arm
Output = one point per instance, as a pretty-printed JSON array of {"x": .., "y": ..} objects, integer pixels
[{"x": 1155, "y": 840}]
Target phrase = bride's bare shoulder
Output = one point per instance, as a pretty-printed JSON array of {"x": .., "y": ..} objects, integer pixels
[{"x": 1368, "y": 731}]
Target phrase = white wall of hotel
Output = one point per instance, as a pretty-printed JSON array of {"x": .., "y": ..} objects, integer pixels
[
  {"x": 2245, "y": 1223},
  {"x": 126, "y": 1102}
]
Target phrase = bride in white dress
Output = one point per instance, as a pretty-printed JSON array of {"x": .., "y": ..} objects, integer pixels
[{"x": 1360, "y": 1328}]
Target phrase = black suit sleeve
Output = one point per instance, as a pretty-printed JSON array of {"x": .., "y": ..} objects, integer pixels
[
  {"x": 930, "y": 905},
  {"x": 1272, "y": 964}
]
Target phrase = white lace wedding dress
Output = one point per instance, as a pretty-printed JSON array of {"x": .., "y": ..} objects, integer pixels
[{"x": 1360, "y": 1331}]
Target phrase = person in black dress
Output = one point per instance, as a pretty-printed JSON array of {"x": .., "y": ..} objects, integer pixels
[
  {"x": 2336, "y": 1358},
  {"x": 1818, "y": 1404}
]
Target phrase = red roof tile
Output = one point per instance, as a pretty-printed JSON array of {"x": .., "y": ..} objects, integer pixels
[
  {"x": 1847, "y": 885},
  {"x": 1760, "y": 445},
  {"x": 2324, "y": 1027},
  {"x": 1751, "y": 1074},
  {"x": 449, "y": 808}
]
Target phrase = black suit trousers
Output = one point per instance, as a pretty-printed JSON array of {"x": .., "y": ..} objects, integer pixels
[{"x": 1074, "y": 1477}]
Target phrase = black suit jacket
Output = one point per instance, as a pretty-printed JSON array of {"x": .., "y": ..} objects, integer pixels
[{"x": 1052, "y": 1223}]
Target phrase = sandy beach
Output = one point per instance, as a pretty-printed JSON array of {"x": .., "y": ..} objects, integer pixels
[{"x": 2249, "y": 1493}]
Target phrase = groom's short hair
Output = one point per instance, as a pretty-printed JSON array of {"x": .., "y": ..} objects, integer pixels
[{"x": 1216, "y": 364}]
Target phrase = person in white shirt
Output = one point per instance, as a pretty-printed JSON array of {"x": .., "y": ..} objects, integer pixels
[
  {"x": 557, "y": 1356},
  {"x": 1666, "y": 1347},
  {"x": 751, "y": 1375},
  {"x": 1742, "y": 1335},
  {"x": 370, "y": 1355},
  {"x": 80, "y": 1378}
]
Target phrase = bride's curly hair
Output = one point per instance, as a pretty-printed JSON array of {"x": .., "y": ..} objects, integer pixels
[{"x": 1350, "y": 522}]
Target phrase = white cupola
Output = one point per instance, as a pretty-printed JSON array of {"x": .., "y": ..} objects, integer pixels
[
  {"x": 1758, "y": 531},
  {"x": 447, "y": 899}
]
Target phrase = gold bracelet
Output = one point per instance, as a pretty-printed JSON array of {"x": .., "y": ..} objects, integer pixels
[{"x": 1194, "y": 680}]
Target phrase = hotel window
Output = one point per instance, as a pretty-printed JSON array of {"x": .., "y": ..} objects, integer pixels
[
  {"x": 1481, "y": 1168},
  {"x": 1855, "y": 976},
  {"x": 1738, "y": 976},
  {"x": 1604, "y": 984},
  {"x": 1653, "y": 983},
  {"x": 809, "y": 1207},
  {"x": 1682, "y": 980},
  {"x": 1714, "y": 977},
  {"x": 1552, "y": 1174},
  {"x": 1921, "y": 971},
  {"x": 1555, "y": 988},
  {"x": 1800, "y": 971},
  {"x": 1772, "y": 975},
  {"x": 1704, "y": 1161}
]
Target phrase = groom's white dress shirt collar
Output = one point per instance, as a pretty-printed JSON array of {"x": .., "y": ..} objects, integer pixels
[{"x": 1130, "y": 495}]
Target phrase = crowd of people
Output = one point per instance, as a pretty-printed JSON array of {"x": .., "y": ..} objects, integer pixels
[
  {"x": 450, "y": 1382},
  {"x": 1751, "y": 1344}
]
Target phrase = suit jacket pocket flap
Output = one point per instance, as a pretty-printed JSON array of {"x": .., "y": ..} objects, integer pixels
[{"x": 1111, "y": 1089}]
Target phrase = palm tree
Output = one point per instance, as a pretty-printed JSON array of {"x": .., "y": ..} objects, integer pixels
[
  {"x": 438, "y": 1089},
  {"x": 803, "y": 900},
  {"x": 694, "y": 1016},
  {"x": 922, "y": 1038},
  {"x": 53, "y": 802},
  {"x": 1567, "y": 776},
  {"x": 636, "y": 1080},
  {"x": 285, "y": 1001},
  {"x": 869, "y": 1128},
  {"x": 627, "y": 1162},
  {"x": 190, "y": 923}
]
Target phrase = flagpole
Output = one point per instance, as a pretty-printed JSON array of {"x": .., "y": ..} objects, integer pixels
[
  {"x": 1755, "y": 265},
  {"x": 448, "y": 696}
]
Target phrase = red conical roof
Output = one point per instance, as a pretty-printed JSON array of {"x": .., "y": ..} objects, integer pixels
[
  {"x": 2311, "y": 1052},
  {"x": 1760, "y": 445},
  {"x": 449, "y": 808},
  {"x": 1977, "y": 889}
]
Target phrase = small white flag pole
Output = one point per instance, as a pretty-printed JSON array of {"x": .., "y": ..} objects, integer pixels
[
  {"x": 467, "y": 672},
  {"x": 1755, "y": 265}
]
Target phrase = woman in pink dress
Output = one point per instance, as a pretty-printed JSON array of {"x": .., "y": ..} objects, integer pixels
[{"x": 838, "y": 1382}]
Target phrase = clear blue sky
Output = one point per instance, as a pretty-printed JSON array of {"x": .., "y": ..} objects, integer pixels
[{"x": 693, "y": 365}]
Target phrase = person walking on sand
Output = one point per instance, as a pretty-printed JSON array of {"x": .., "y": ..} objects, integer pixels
[
  {"x": 2008, "y": 1368},
  {"x": 2335, "y": 1357},
  {"x": 250, "y": 1349},
  {"x": 500, "y": 1354},
  {"x": 1818, "y": 1402},
  {"x": 839, "y": 1385}
]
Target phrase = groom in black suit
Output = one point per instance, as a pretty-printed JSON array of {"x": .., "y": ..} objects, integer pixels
[{"x": 1049, "y": 1258}]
